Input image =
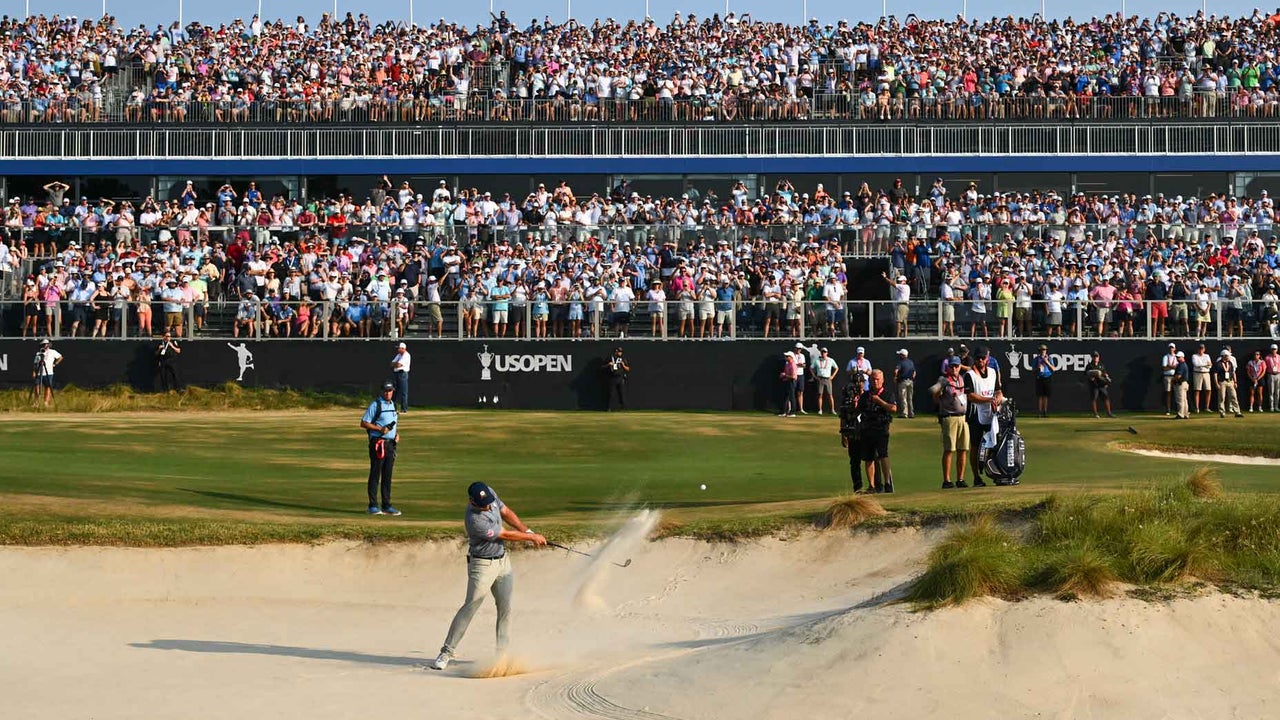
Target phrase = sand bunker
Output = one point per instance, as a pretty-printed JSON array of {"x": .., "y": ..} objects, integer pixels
[
  {"x": 762, "y": 629},
  {"x": 1204, "y": 457}
]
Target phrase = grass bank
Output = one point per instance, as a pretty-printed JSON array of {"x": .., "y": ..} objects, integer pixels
[
  {"x": 123, "y": 398},
  {"x": 1088, "y": 545}
]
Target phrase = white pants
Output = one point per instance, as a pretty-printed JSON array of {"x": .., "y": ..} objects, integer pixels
[{"x": 483, "y": 576}]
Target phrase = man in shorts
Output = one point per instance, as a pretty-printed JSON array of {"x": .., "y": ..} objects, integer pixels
[
  {"x": 1201, "y": 380},
  {"x": 953, "y": 405},
  {"x": 824, "y": 372}
]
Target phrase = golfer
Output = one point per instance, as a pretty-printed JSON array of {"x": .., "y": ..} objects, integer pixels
[
  {"x": 488, "y": 567},
  {"x": 380, "y": 421}
]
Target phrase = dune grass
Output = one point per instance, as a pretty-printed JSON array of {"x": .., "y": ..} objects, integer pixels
[
  {"x": 1084, "y": 545},
  {"x": 849, "y": 511}
]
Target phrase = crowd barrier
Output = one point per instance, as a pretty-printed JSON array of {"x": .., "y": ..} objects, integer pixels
[
  {"x": 851, "y": 105},
  {"x": 861, "y": 239},
  {"x": 563, "y": 375},
  {"x": 697, "y": 320}
]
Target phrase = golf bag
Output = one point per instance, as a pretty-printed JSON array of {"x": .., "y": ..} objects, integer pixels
[{"x": 1006, "y": 459}]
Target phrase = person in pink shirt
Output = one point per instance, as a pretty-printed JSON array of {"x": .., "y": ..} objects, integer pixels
[
  {"x": 1102, "y": 296},
  {"x": 1257, "y": 371}
]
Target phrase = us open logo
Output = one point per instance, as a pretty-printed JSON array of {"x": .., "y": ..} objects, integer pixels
[{"x": 533, "y": 363}]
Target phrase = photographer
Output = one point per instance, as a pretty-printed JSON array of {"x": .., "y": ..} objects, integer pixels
[
  {"x": 616, "y": 369},
  {"x": 165, "y": 353},
  {"x": 953, "y": 405},
  {"x": 45, "y": 361},
  {"x": 1098, "y": 378}
]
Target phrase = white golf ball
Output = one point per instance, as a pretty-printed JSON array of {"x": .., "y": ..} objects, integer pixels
[{"x": 702, "y": 487}]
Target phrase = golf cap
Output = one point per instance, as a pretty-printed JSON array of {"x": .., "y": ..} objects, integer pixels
[
  {"x": 903, "y": 352},
  {"x": 402, "y": 346},
  {"x": 388, "y": 385},
  {"x": 1275, "y": 347},
  {"x": 953, "y": 361},
  {"x": 825, "y": 350},
  {"x": 800, "y": 346},
  {"x": 1173, "y": 345},
  {"x": 981, "y": 353},
  {"x": 861, "y": 350},
  {"x": 1181, "y": 354},
  {"x": 46, "y": 342},
  {"x": 481, "y": 495},
  {"x": 1224, "y": 353},
  {"x": 1043, "y": 347}
]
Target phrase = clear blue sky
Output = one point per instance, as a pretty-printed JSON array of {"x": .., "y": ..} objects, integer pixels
[{"x": 132, "y": 12}]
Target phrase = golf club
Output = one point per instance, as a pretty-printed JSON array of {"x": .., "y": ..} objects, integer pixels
[{"x": 565, "y": 547}]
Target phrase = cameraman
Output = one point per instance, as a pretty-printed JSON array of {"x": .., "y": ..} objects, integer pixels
[
  {"x": 849, "y": 429},
  {"x": 46, "y": 360},
  {"x": 165, "y": 353}
]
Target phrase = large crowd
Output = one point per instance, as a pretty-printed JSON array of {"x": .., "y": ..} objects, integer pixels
[
  {"x": 60, "y": 69},
  {"x": 559, "y": 264}
]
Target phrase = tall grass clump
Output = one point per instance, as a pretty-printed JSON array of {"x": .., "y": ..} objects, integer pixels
[
  {"x": 1204, "y": 483},
  {"x": 851, "y": 510},
  {"x": 1076, "y": 569},
  {"x": 976, "y": 560}
]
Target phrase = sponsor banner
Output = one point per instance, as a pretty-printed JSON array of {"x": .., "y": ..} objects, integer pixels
[{"x": 740, "y": 375}]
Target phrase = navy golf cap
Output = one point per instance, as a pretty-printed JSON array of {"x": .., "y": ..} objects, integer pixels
[
  {"x": 388, "y": 385},
  {"x": 953, "y": 361},
  {"x": 480, "y": 494}
]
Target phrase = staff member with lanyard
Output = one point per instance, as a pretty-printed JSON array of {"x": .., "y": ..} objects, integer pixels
[
  {"x": 380, "y": 420},
  {"x": 488, "y": 567},
  {"x": 400, "y": 371}
]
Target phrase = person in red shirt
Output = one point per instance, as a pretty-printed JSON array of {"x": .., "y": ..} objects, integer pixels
[
  {"x": 337, "y": 225},
  {"x": 1257, "y": 371}
]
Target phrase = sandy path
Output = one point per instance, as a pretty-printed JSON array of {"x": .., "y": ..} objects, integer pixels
[{"x": 772, "y": 628}]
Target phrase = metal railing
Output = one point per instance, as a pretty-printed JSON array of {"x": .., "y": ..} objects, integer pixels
[
  {"x": 850, "y": 106},
  {"x": 697, "y": 319},
  {"x": 866, "y": 238},
  {"x": 595, "y": 138}
]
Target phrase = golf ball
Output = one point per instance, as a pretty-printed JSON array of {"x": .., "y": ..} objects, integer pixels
[{"x": 702, "y": 487}]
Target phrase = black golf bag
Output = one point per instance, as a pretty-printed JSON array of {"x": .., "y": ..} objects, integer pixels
[{"x": 1007, "y": 459}]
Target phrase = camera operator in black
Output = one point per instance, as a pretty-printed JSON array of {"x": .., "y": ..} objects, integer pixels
[
  {"x": 849, "y": 428},
  {"x": 617, "y": 368},
  {"x": 165, "y": 353},
  {"x": 875, "y": 416}
]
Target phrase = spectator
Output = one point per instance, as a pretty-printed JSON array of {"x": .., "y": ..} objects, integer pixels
[
  {"x": 875, "y": 417},
  {"x": 1224, "y": 376},
  {"x": 904, "y": 378},
  {"x": 1181, "y": 379},
  {"x": 952, "y": 399},
  {"x": 825, "y": 370},
  {"x": 1099, "y": 381},
  {"x": 1044, "y": 370}
]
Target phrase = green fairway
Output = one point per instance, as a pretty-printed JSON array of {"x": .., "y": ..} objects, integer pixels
[{"x": 156, "y": 477}]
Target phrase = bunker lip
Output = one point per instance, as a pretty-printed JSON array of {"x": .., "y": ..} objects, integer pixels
[{"x": 1202, "y": 457}]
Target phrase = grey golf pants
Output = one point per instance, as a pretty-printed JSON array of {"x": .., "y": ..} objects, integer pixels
[
  {"x": 483, "y": 576},
  {"x": 906, "y": 398},
  {"x": 1273, "y": 392}
]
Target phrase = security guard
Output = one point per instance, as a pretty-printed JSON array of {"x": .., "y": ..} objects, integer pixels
[{"x": 380, "y": 421}]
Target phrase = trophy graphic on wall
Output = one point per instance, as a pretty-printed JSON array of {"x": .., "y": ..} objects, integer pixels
[
  {"x": 486, "y": 361},
  {"x": 1015, "y": 358}
]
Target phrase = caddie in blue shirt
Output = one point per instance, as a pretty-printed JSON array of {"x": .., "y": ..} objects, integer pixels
[{"x": 380, "y": 421}]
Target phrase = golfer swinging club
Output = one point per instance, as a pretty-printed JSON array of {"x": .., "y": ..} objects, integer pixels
[{"x": 488, "y": 568}]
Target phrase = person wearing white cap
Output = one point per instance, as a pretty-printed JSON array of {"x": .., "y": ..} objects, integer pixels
[
  {"x": 400, "y": 366},
  {"x": 859, "y": 365},
  {"x": 1273, "y": 378},
  {"x": 1168, "y": 371},
  {"x": 825, "y": 370},
  {"x": 46, "y": 360},
  {"x": 802, "y": 372},
  {"x": 1181, "y": 378},
  {"x": 904, "y": 378},
  {"x": 1224, "y": 376}
]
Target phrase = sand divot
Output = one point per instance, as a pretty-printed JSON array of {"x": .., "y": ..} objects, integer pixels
[{"x": 1204, "y": 457}]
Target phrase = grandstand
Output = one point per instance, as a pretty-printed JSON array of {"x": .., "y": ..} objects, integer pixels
[{"x": 1051, "y": 155}]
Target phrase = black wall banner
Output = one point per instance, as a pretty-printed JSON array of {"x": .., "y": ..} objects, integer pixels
[{"x": 566, "y": 375}]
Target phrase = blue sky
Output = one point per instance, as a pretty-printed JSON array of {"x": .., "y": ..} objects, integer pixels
[{"x": 132, "y": 12}]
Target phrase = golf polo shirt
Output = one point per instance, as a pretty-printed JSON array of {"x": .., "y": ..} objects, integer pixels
[{"x": 483, "y": 529}]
